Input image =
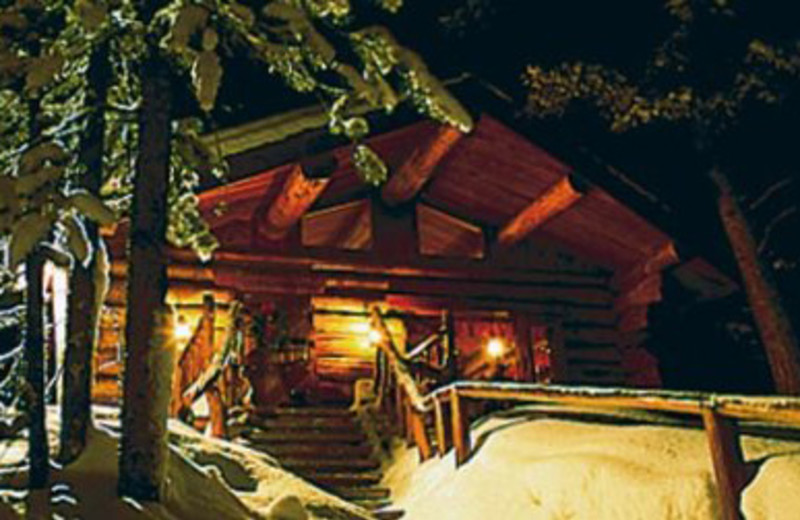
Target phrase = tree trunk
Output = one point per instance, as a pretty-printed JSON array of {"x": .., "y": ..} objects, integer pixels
[
  {"x": 38, "y": 449},
  {"x": 143, "y": 455},
  {"x": 38, "y": 446},
  {"x": 85, "y": 294},
  {"x": 773, "y": 323}
]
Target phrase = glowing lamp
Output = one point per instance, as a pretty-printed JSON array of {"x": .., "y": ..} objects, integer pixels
[
  {"x": 183, "y": 331},
  {"x": 375, "y": 336},
  {"x": 495, "y": 348},
  {"x": 360, "y": 327}
]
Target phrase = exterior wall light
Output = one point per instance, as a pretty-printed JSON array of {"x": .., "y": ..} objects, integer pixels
[
  {"x": 375, "y": 336},
  {"x": 183, "y": 330},
  {"x": 495, "y": 348}
]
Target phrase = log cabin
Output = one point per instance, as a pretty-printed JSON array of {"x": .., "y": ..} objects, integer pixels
[
  {"x": 534, "y": 271},
  {"x": 493, "y": 256}
]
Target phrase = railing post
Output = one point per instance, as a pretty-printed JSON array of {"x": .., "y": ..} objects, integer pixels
[
  {"x": 443, "y": 440},
  {"x": 408, "y": 412},
  {"x": 726, "y": 454},
  {"x": 209, "y": 322},
  {"x": 461, "y": 439},
  {"x": 378, "y": 380},
  {"x": 421, "y": 435},
  {"x": 451, "y": 369},
  {"x": 399, "y": 409},
  {"x": 217, "y": 413}
]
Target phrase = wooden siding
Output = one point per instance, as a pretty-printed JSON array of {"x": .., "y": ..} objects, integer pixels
[
  {"x": 439, "y": 251},
  {"x": 346, "y": 226},
  {"x": 579, "y": 303},
  {"x": 441, "y": 234},
  {"x": 342, "y": 351}
]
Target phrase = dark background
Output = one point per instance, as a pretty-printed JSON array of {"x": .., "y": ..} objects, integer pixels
[{"x": 709, "y": 345}]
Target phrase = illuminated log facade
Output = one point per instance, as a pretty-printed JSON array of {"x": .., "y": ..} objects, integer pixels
[{"x": 492, "y": 232}]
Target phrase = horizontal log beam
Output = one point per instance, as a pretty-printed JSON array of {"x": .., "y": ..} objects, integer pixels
[
  {"x": 246, "y": 280},
  {"x": 360, "y": 263},
  {"x": 597, "y": 335},
  {"x": 567, "y": 314},
  {"x": 647, "y": 292},
  {"x": 557, "y": 198},
  {"x": 774, "y": 410},
  {"x": 420, "y": 166},
  {"x": 187, "y": 272},
  {"x": 602, "y": 354},
  {"x": 633, "y": 318},
  {"x": 582, "y": 304},
  {"x": 472, "y": 296},
  {"x": 297, "y": 194},
  {"x": 663, "y": 257},
  {"x": 179, "y": 291}
]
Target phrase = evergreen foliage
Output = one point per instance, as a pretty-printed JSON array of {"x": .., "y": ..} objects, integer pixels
[{"x": 316, "y": 46}]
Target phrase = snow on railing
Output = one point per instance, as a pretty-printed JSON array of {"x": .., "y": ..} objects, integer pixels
[
  {"x": 771, "y": 409},
  {"x": 719, "y": 413},
  {"x": 409, "y": 407}
]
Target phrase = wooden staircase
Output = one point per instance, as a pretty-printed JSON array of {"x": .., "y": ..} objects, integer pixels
[{"x": 327, "y": 447}]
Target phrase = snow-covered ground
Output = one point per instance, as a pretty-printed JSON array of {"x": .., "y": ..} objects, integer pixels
[
  {"x": 524, "y": 466},
  {"x": 207, "y": 479},
  {"x": 556, "y": 469}
]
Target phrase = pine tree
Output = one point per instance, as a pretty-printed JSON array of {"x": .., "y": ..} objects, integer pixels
[
  {"x": 36, "y": 213},
  {"x": 314, "y": 45},
  {"x": 88, "y": 281},
  {"x": 284, "y": 36}
]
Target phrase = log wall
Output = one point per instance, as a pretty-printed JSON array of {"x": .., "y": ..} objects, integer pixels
[
  {"x": 586, "y": 319},
  {"x": 188, "y": 301}
]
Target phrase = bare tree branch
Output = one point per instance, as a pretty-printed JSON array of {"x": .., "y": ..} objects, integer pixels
[
  {"x": 773, "y": 188},
  {"x": 783, "y": 215}
]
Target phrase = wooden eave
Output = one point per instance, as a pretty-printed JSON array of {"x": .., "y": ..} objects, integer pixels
[
  {"x": 492, "y": 177},
  {"x": 488, "y": 182}
]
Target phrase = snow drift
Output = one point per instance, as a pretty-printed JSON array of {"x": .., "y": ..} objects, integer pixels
[
  {"x": 207, "y": 479},
  {"x": 552, "y": 469}
]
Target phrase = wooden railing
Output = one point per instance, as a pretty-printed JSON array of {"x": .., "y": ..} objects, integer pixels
[
  {"x": 399, "y": 389},
  {"x": 401, "y": 396},
  {"x": 200, "y": 367},
  {"x": 719, "y": 413}
]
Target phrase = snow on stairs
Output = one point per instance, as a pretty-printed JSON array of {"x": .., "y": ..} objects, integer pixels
[{"x": 327, "y": 447}]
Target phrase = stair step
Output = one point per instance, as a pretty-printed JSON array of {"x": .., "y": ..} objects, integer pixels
[
  {"x": 360, "y": 493},
  {"x": 326, "y": 446},
  {"x": 306, "y": 423},
  {"x": 109, "y": 370},
  {"x": 107, "y": 376},
  {"x": 316, "y": 451},
  {"x": 333, "y": 464},
  {"x": 335, "y": 480},
  {"x": 294, "y": 437},
  {"x": 318, "y": 411},
  {"x": 373, "y": 504}
]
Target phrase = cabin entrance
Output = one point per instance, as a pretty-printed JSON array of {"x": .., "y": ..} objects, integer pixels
[{"x": 313, "y": 351}]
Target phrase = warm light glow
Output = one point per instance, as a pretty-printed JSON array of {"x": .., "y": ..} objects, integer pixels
[
  {"x": 495, "y": 348},
  {"x": 365, "y": 330},
  {"x": 375, "y": 336},
  {"x": 361, "y": 327},
  {"x": 183, "y": 331}
]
